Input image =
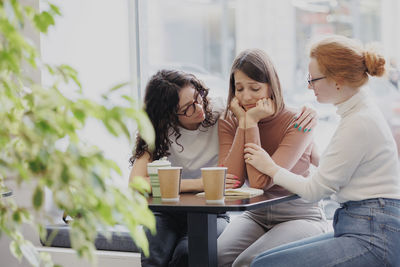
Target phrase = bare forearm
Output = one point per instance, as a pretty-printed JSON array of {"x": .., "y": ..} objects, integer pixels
[
  {"x": 192, "y": 185},
  {"x": 139, "y": 167}
]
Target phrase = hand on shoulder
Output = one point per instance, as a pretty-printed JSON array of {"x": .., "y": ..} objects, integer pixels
[{"x": 306, "y": 119}]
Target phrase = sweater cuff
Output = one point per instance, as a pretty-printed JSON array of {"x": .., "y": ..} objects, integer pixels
[
  {"x": 282, "y": 177},
  {"x": 240, "y": 130},
  {"x": 252, "y": 135}
]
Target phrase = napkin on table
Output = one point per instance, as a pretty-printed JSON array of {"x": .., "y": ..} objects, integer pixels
[{"x": 240, "y": 192}]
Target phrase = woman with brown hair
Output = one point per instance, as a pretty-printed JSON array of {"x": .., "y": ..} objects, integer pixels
[
  {"x": 258, "y": 114},
  {"x": 359, "y": 168}
]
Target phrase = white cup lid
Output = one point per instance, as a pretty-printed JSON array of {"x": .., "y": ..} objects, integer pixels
[{"x": 161, "y": 162}]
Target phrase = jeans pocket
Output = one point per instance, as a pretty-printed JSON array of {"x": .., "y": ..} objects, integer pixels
[
  {"x": 357, "y": 215},
  {"x": 389, "y": 221},
  {"x": 352, "y": 221}
]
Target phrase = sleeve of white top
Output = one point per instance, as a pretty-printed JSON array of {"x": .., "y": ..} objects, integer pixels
[
  {"x": 304, "y": 187},
  {"x": 343, "y": 155},
  {"x": 218, "y": 105}
]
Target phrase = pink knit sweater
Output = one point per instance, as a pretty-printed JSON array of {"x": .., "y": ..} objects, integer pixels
[{"x": 288, "y": 147}]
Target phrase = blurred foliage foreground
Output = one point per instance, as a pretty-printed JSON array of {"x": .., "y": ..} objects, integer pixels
[{"x": 40, "y": 146}]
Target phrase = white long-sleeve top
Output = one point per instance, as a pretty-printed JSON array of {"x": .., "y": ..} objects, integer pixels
[
  {"x": 196, "y": 149},
  {"x": 359, "y": 163}
]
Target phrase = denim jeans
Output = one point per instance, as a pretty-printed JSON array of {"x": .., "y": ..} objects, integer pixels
[{"x": 366, "y": 233}]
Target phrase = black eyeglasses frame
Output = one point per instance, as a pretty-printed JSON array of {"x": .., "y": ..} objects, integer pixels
[
  {"x": 195, "y": 101},
  {"x": 310, "y": 81}
]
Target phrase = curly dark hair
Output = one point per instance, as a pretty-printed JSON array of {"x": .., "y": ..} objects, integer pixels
[{"x": 161, "y": 105}]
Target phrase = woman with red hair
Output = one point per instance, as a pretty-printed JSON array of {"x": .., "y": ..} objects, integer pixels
[{"x": 359, "y": 168}]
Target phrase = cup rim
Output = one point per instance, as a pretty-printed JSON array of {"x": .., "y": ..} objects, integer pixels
[{"x": 170, "y": 168}]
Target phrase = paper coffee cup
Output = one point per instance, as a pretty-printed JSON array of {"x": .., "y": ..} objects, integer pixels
[
  {"x": 152, "y": 168},
  {"x": 214, "y": 184},
  {"x": 170, "y": 183}
]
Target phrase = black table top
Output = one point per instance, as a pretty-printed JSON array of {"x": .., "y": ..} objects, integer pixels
[{"x": 189, "y": 202}]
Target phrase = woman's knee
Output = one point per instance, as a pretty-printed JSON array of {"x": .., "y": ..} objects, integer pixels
[
  {"x": 222, "y": 223},
  {"x": 241, "y": 261}
]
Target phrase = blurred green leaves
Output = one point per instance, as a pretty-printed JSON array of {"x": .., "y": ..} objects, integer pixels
[{"x": 40, "y": 144}]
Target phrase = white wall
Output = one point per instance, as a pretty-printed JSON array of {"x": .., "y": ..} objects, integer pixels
[
  {"x": 93, "y": 37},
  {"x": 269, "y": 25},
  {"x": 390, "y": 28}
]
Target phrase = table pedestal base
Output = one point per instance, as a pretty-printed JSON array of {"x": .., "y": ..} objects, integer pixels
[{"x": 202, "y": 230}]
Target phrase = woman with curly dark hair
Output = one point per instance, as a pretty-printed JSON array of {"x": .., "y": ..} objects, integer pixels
[
  {"x": 185, "y": 122},
  {"x": 184, "y": 119}
]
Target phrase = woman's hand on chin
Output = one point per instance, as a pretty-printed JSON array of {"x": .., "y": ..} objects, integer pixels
[
  {"x": 238, "y": 110},
  {"x": 260, "y": 159},
  {"x": 264, "y": 108}
]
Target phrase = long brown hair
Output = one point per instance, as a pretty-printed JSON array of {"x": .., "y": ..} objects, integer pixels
[
  {"x": 257, "y": 65},
  {"x": 345, "y": 60}
]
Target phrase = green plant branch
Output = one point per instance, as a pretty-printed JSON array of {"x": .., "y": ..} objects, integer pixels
[{"x": 39, "y": 142}]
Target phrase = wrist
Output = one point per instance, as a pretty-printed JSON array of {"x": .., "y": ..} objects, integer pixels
[
  {"x": 250, "y": 122},
  {"x": 242, "y": 122},
  {"x": 200, "y": 186},
  {"x": 272, "y": 170},
  {"x": 192, "y": 185}
]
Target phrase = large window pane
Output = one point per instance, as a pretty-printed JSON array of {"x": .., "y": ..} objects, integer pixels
[
  {"x": 194, "y": 36},
  {"x": 203, "y": 37}
]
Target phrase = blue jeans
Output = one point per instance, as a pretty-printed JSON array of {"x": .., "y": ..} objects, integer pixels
[{"x": 366, "y": 233}]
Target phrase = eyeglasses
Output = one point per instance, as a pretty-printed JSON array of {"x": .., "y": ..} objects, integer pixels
[
  {"x": 191, "y": 109},
  {"x": 310, "y": 80}
]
